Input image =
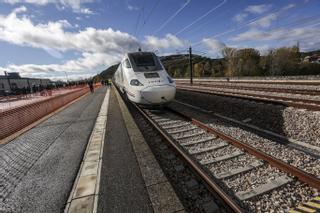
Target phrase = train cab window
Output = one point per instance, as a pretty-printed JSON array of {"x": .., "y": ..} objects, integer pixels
[
  {"x": 127, "y": 63},
  {"x": 145, "y": 61}
]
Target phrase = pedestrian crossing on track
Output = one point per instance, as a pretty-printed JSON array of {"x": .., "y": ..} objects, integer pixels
[{"x": 310, "y": 206}]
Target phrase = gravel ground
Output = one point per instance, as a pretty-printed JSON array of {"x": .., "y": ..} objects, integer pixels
[
  {"x": 299, "y": 124},
  {"x": 282, "y": 199},
  {"x": 186, "y": 128},
  {"x": 289, "y": 155},
  {"x": 253, "y": 178},
  {"x": 195, "y": 138},
  {"x": 188, "y": 134},
  {"x": 234, "y": 163},
  {"x": 216, "y": 153},
  {"x": 200, "y": 146}
]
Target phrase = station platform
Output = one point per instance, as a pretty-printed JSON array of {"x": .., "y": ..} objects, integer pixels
[{"x": 84, "y": 159}]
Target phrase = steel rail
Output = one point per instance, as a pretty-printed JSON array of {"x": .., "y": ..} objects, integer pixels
[
  {"x": 301, "y": 175},
  {"x": 253, "y": 88},
  {"x": 293, "y": 102},
  {"x": 283, "y": 82},
  {"x": 193, "y": 165},
  {"x": 258, "y": 95}
]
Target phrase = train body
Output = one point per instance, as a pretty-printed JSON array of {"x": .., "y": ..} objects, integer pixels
[{"x": 144, "y": 80}]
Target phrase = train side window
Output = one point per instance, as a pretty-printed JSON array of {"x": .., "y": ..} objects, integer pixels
[
  {"x": 127, "y": 63},
  {"x": 121, "y": 73}
]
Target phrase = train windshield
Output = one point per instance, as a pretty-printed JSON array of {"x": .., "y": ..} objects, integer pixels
[{"x": 145, "y": 61}]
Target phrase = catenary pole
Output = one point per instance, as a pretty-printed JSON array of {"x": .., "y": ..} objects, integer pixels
[{"x": 191, "y": 65}]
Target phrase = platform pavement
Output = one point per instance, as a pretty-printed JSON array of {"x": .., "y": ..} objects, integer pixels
[
  {"x": 37, "y": 169},
  {"x": 40, "y": 167},
  {"x": 121, "y": 174}
]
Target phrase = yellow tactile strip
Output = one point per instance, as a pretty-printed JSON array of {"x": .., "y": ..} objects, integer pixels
[
  {"x": 310, "y": 206},
  {"x": 84, "y": 194},
  {"x": 162, "y": 196}
]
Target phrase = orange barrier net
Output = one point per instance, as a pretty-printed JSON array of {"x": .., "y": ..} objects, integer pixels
[{"x": 18, "y": 118}]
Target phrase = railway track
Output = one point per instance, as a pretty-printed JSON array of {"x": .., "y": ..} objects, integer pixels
[
  {"x": 246, "y": 179},
  {"x": 309, "y": 149},
  {"x": 270, "y": 82},
  {"x": 311, "y": 92},
  {"x": 298, "y": 102}
]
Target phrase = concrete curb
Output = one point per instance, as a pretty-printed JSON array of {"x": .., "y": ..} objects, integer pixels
[
  {"x": 85, "y": 191},
  {"x": 162, "y": 196}
]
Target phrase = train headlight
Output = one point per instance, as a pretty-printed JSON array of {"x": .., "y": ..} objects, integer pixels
[
  {"x": 135, "y": 82},
  {"x": 171, "y": 81}
]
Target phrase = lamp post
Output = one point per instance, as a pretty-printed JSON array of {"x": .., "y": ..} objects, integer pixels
[
  {"x": 6, "y": 74},
  {"x": 65, "y": 72}
]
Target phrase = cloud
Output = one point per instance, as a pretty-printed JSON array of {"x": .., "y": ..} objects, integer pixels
[
  {"x": 83, "y": 66},
  {"x": 75, "y": 5},
  {"x": 263, "y": 49},
  {"x": 86, "y": 11},
  {"x": 240, "y": 17},
  {"x": 53, "y": 35},
  {"x": 98, "y": 48},
  {"x": 213, "y": 44},
  {"x": 258, "y": 9},
  {"x": 251, "y": 9},
  {"x": 265, "y": 21},
  {"x": 131, "y": 7},
  {"x": 169, "y": 41},
  {"x": 20, "y": 10},
  {"x": 308, "y": 36}
]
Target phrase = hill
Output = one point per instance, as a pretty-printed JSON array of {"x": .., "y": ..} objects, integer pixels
[
  {"x": 108, "y": 73},
  {"x": 315, "y": 52},
  {"x": 178, "y": 66}
]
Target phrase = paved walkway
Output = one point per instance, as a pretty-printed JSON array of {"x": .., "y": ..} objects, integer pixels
[
  {"x": 122, "y": 188},
  {"x": 38, "y": 168}
]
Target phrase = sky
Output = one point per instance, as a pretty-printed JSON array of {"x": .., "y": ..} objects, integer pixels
[{"x": 80, "y": 38}]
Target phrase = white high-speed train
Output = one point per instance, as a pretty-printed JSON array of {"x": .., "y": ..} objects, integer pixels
[{"x": 144, "y": 80}]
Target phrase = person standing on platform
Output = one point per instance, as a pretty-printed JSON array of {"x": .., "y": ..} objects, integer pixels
[{"x": 91, "y": 86}]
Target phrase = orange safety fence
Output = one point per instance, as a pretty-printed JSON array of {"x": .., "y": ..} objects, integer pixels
[{"x": 18, "y": 118}]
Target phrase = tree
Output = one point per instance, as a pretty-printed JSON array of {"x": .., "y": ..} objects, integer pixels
[
  {"x": 229, "y": 54},
  {"x": 248, "y": 62},
  {"x": 207, "y": 68},
  {"x": 242, "y": 62},
  {"x": 284, "y": 61}
]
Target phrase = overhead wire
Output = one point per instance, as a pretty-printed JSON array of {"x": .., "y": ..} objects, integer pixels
[
  {"x": 201, "y": 17},
  {"x": 173, "y": 16},
  {"x": 251, "y": 21},
  {"x": 192, "y": 32},
  {"x": 290, "y": 24},
  {"x": 138, "y": 18},
  {"x": 150, "y": 13}
]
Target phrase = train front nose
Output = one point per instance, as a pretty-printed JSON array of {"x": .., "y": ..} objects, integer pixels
[{"x": 158, "y": 94}]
